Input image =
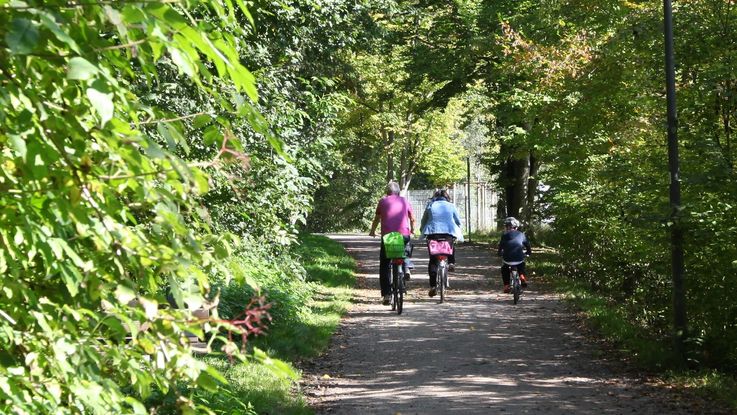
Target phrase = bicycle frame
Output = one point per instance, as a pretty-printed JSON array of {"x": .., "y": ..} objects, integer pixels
[
  {"x": 442, "y": 275},
  {"x": 515, "y": 282},
  {"x": 440, "y": 248},
  {"x": 397, "y": 280}
]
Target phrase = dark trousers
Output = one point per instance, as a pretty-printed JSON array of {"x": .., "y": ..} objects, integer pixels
[
  {"x": 432, "y": 266},
  {"x": 506, "y": 272},
  {"x": 385, "y": 281}
]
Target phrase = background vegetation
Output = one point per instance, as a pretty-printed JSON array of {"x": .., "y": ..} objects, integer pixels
[
  {"x": 162, "y": 157},
  {"x": 572, "y": 99}
]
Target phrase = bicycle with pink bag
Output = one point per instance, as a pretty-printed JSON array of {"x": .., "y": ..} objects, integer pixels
[{"x": 441, "y": 247}]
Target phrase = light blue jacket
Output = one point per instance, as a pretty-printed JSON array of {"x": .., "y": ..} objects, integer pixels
[{"x": 441, "y": 216}]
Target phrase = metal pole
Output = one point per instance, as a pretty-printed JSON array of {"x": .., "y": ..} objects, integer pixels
[
  {"x": 468, "y": 198},
  {"x": 679, "y": 294}
]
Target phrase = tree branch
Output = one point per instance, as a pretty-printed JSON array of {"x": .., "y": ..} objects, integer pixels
[
  {"x": 367, "y": 106},
  {"x": 183, "y": 117},
  {"x": 74, "y": 4},
  {"x": 125, "y": 46}
]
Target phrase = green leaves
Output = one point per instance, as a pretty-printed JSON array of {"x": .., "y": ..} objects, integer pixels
[
  {"x": 210, "y": 379},
  {"x": 277, "y": 367},
  {"x": 18, "y": 144},
  {"x": 102, "y": 102},
  {"x": 183, "y": 61},
  {"x": 98, "y": 221},
  {"x": 81, "y": 69},
  {"x": 49, "y": 21},
  {"x": 22, "y": 37}
]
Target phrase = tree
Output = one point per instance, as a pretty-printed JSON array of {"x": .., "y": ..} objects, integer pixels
[
  {"x": 98, "y": 229},
  {"x": 576, "y": 104}
]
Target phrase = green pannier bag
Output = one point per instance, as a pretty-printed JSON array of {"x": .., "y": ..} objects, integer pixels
[{"x": 394, "y": 245}]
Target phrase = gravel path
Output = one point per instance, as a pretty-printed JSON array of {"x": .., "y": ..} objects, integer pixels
[{"x": 475, "y": 354}]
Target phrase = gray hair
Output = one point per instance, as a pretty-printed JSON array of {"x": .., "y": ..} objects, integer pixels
[{"x": 392, "y": 188}]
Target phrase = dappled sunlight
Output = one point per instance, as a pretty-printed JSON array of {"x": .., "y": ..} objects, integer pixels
[{"x": 477, "y": 353}]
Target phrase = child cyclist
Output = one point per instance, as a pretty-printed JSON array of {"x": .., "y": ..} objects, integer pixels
[{"x": 513, "y": 248}]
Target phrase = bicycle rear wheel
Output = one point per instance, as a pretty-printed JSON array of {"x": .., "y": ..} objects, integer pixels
[
  {"x": 442, "y": 279},
  {"x": 516, "y": 286}
]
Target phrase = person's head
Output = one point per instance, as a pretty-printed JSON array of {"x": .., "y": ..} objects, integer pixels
[
  {"x": 441, "y": 194},
  {"x": 511, "y": 223},
  {"x": 392, "y": 188}
]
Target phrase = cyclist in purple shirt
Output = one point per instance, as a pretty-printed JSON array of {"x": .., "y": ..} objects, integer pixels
[
  {"x": 395, "y": 214},
  {"x": 513, "y": 248}
]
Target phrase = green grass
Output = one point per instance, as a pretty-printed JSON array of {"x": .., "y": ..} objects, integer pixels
[
  {"x": 252, "y": 388},
  {"x": 309, "y": 334},
  {"x": 630, "y": 341},
  {"x": 326, "y": 261},
  {"x": 544, "y": 263},
  {"x": 491, "y": 237},
  {"x": 330, "y": 278},
  {"x": 713, "y": 384},
  {"x": 612, "y": 323}
]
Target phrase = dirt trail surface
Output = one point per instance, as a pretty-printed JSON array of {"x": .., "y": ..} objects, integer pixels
[{"x": 476, "y": 353}]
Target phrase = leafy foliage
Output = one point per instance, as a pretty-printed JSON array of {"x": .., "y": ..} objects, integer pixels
[
  {"x": 574, "y": 113},
  {"x": 308, "y": 299},
  {"x": 103, "y": 252}
]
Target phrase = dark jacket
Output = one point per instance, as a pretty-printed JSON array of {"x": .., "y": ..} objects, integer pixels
[{"x": 514, "y": 246}]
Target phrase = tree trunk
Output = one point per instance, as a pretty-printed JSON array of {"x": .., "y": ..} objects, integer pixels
[
  {"x": 402, "y": 168},
  {"x": 408, "y": 163},
  {"x": 516, "y": 173},
  {"x": 501, "y": 210},
  {"x": 389, "y": 140},
  {"x": 532, "y": 183}
]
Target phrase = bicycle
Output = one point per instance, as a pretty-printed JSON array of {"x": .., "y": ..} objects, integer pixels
[
  {"x": 441, "y": 248},
  {"x": 398, "y": 289},
  {"x": 515, "y": 283},
  {"x": 396, "y": 250}
]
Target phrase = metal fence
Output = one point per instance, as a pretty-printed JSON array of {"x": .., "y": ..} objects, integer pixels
[{"x": 479, "y": 214}]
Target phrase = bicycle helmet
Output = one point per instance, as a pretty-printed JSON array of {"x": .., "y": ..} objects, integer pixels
[{"x": 511, "y": 222}]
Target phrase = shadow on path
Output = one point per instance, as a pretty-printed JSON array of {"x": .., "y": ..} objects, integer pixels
[{"x": 475, "y": 354}]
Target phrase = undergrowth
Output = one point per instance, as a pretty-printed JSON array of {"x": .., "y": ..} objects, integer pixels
[
  {"x": 309, "y": 289},
  {"x": 613, "y": 322}
]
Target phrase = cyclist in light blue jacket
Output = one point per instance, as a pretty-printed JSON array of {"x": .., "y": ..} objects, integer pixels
[{"x": 440, "y": 220}]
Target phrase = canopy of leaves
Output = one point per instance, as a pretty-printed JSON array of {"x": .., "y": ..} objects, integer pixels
[{"x": 579, "y": 88}]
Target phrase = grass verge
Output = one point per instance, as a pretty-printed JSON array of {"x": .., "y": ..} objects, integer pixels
[
  {"x": 484, "y": 238},
  {"x": 611, "y": 323},
  {"x": 259, "y": 388},
  {"x": 330, "y": 279}
]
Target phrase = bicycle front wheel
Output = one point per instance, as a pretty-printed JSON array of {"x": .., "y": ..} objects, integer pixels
[
  {"x": 400, "y": 290},
  {"x": 516, "y": 286},
  {"x": 394, "y": 287}
]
